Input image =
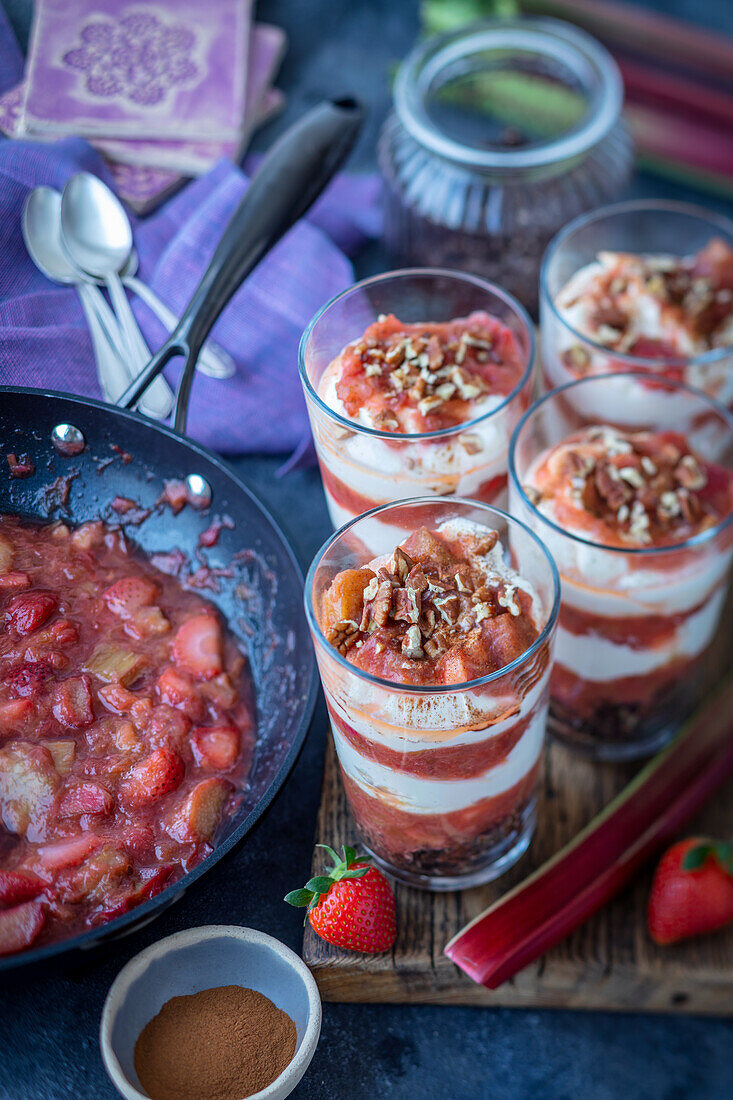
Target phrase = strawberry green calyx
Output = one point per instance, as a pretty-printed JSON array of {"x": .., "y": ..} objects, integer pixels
[
  {"x": 317, "y": 888},
  {"x": 697, "y": 857}
]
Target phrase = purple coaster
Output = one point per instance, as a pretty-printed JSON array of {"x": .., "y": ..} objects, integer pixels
[
  {"x": 266, "y": 48},
  {"x": 168, "y": 69}
]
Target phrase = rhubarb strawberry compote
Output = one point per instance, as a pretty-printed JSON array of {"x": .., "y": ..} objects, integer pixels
[
  {"x": 639, "y": 523},
  {"x": 126, "y": 729},
  {"x": 645, "y": 287},
  {"x": 435, "y": 661},
  {"x": 414, "y": 382}
]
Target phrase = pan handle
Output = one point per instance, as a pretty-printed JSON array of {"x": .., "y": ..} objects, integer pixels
[{"x": 289, "y": 180}]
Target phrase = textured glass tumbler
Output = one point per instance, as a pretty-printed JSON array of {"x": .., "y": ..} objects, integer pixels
[
  {"x": 362, "y": 467},
  {"x": 441, "y": 779},
  {"x": 636, "y": 623}
]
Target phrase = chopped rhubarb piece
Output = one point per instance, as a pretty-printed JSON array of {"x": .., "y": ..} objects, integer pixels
[
  {"x": 197, "y": 647},
  {"x": 28, "y": 782},
  {"x": 117, "y": 698},
  {"x": 27, "y": 612},
  {"x": 114, "y": 664},
  {"x": 7, "y": 554},
  {"x": 197, "y": 817},
  {"x": 150, "y": 883},
  {"x": 222, "y": 691},
  {"x": 73, "y": 703},
  {"x": 85, "y": 798},
  {"x": 14, "y": 582},
  {"x": 20, "y": 926},
  {"x": 178, "y": 689},
  {"x": 62, "y": 754},
  {"x": 18, "y": 886},
  {"x": 216, "y": 747},
  {"x": 147, "y": 622},
  {"x": 20, "y": 465},
  {"x": 152, "y": 778}
]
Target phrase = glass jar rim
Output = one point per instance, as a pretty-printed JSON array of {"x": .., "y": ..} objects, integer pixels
[
  {"x": 632, "y": 206},
  {"x": 552, "y": 38},
  {"x": 637, "y": 551},
  {"x": 434, "y": 689},
  {"x": 438, "y": 433}
]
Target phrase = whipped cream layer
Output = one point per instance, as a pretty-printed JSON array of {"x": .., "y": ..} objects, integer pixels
[
  {"x": 434, "y": 796},
  {"x": 385, "y": 470}
]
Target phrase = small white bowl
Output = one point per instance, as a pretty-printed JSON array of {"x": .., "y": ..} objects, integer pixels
[{"x": 203, "y": 958}]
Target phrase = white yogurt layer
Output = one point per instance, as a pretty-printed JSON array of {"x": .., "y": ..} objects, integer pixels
[
  {"x": 436, "y": 796},
  {"x": 592, "y": 657},
  {"x": 384, "y": 471},
  {"x": 630, "y": 402}
]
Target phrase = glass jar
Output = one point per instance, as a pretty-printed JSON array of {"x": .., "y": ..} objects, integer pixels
[{"x": 502, "y": 132}]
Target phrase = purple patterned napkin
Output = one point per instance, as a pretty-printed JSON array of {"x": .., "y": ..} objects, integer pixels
[
  {"x": 165, "y": 70},
  {"x": 44, "y": 341}
]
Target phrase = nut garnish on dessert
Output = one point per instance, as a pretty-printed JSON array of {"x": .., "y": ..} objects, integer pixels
[
  {"x": 438, "y": 608},
  {"x": 642, "y": 488}
]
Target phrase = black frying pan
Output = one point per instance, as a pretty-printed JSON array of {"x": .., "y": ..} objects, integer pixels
[{"x": 85, "y": 453}]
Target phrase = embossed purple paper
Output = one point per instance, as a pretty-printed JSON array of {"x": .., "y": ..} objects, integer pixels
[{"x": 167, "y": 69}]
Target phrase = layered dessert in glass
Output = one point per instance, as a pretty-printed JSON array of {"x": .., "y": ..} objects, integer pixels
[
  {"x": 638, "y": 520},
  {"x": 645, "y": 287},
  {"x": 414, "y": 382},
  {"x": 435, "y": 656}
]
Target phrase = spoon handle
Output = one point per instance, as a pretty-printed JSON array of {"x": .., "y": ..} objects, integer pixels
[
  {"x": 157, "y": 401},
  {"x": 111, "y": 371},
  {"x": 213, "y": 361}
]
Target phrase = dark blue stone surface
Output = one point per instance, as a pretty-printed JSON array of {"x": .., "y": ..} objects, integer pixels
[{"x": 48, "y": 1030}]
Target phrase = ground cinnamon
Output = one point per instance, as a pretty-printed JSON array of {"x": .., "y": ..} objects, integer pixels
[{"x": 220, "y": 1044}]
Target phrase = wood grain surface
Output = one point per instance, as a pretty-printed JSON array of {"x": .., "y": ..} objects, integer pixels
[{"x": 608, "y": 963}]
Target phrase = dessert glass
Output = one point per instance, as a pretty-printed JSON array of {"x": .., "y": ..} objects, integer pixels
[
  {"x": 641, "y": 227},
  {"x": 441, "y": 778},
  {"x": 636, "y": 623},
  {"x": 362, "y": 467}
]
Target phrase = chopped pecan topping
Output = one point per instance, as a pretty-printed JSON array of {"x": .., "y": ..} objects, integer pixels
[{"x": 343, "y": 635}]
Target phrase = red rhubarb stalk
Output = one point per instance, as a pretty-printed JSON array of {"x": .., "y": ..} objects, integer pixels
[
  {"x": 675, "y": 95},
  {"x": 588, "y": 872},
  {"x": 692, "y": 144}
]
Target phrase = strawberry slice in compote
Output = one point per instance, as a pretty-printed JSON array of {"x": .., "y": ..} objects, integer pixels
[
  {"x": 633, "y": 521},
  {"x": 419, "y": 406},
  {"x": 439, "y": 749}
]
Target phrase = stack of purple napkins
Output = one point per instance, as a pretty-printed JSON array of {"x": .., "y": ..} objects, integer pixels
[{"x": 162, "y": 90}]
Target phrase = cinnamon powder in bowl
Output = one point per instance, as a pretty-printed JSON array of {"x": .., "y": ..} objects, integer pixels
[
  {"x": 226, "y": 1043},
  {"x": 214, "y": 1013}
]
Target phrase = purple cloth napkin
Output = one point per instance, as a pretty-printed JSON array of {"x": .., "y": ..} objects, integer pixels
[{"x": 44, "y": 341}]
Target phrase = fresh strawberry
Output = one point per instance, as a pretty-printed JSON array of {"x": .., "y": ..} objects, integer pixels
[
  {"x": 197, "y": 817},
  {"x": 72, "y": 705},
  {"x": 352, "y": 906},
  {"x": 215, "y": 747},
  {"x": 26, "y": 613},
  {"x": 18, "y": 886},
  {"x": 69, "y": 852},
  {"x": 85, "y": 798},
  {"x": 152, "y": 778},
  {"x": 197, "y": 647},
  {"x": 20, "y": 926},
  {"x": 692, "y": 891},
  {"x": 128, "y": 595},
  {"x": 178, "y": 689}
]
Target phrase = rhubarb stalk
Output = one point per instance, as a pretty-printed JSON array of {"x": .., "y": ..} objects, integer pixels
[{"x": 584, "y": 875}]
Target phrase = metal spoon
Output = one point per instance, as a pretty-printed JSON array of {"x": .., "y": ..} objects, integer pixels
[
  {"x": 213, "y": 361},
  {"x": 41, "y": 227},
  {"x": 96, "y": 233}
]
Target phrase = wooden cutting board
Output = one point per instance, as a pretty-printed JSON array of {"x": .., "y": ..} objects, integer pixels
[{"x": 609, "y": 963}]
